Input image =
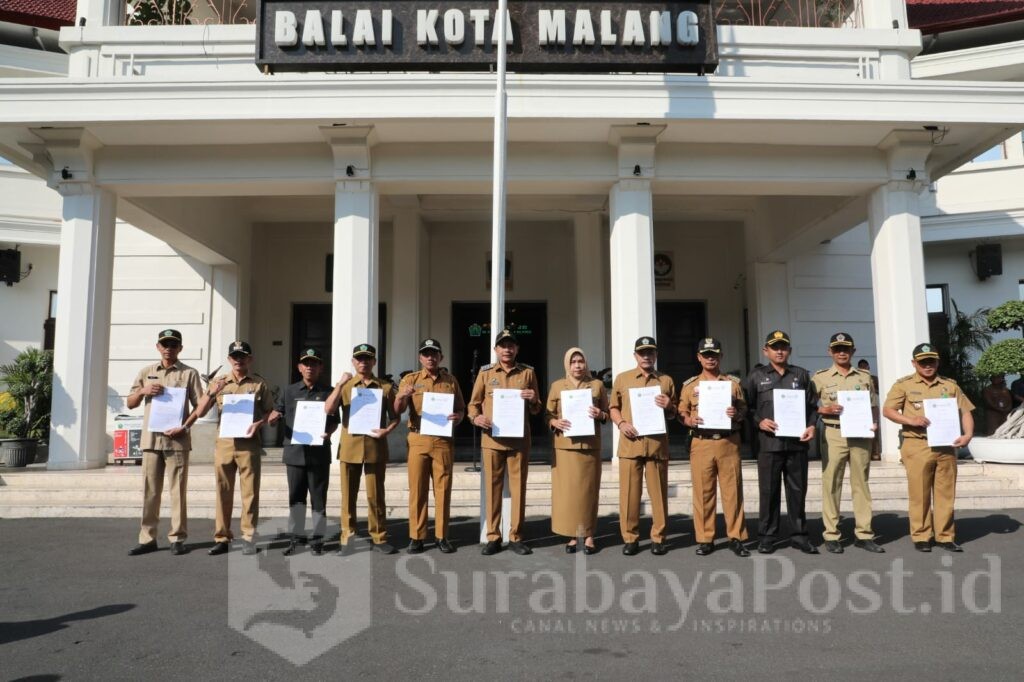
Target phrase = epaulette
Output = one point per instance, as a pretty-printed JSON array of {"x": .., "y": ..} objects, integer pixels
[
  {"x": 909, "y": 376},
  {"x": 733, "y": 377},
  {"x": 523, "y": 365},
  {"x": 691, "y": 380},
  {"x": 487, "y": 367},
  {"x": 822, "y": 371}
]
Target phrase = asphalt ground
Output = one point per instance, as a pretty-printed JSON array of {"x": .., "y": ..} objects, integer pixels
[{"x": 73, "y": 605}]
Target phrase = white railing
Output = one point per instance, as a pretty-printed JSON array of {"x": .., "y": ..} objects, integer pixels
[
  {"x": 189, "y": 12},
  {"x": 790, "y": 13}
]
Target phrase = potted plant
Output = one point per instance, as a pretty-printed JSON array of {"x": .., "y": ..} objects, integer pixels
[
  {"x": 25, "y": 412},
  {"x": 1006, "y": 445}
]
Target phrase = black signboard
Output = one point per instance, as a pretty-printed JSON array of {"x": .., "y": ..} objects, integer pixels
[{"x": 547, "y": 36}]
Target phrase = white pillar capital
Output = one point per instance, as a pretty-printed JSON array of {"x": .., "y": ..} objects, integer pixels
[
  {"x": 70, "y": 153},
  {"x": 636, "y": 144},
  {"x": 350, "y": 146},
  {"x": 906, "y": 153}
]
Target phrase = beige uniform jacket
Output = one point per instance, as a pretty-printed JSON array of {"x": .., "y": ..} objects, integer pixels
[
  {"x": 600, "y": 401},
  {"x": 655, "y": 447},
  {"x": 422, "y": 382},
  {"x": 358, "y": 449},
  {"x": 828, "y": 382},
  {"x": 178, "y": 375},
  {"x": 257, "y": 385},
  {"x": 481, "y": 401},
  {"x": 909, "y": 393},
  {"x": 689, "y": 398}
]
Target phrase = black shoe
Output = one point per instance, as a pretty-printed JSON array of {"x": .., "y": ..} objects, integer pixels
[
  {"x": 923, "y": 546},
  {"x": 950, "y": 546},
  {"x": 290, "y": 549},
  {"x": 520, "y": 548},
  {"x": 804, "y": 546},
  {"x": 219, "y": 548},
  {"x": 492, "y": 547},
  {"x": 415, "y": 547},
  {"x": 249, "y": 548},
  {"x": 144, "y": 548},
  {"x": 705, "y": 548},
  {"x": 384, "y": 548},
  {"x": 658, "y": 549},
  {"x": 631, "y": 548},
  {"x": 869, "y": 545},
  {"x": 766, "y": 547},
  {"x": 571, "y": 549},
  {"x": 317, "y": 548},
  {"x": 588, "y": 550},
  {"x": 738, "y": 548},
  {"x": 834, "y": 546},
  {"x": 178, "y": 548},
  {"x": 445, "y": 546}
]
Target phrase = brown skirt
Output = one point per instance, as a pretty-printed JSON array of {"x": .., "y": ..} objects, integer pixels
[{"x": 575, "y": 489}]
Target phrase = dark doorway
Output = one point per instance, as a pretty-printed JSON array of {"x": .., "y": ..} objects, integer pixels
[
  {"x": 681, "y": 326},
  {"x": 471, "y": 333},
  {"x": 311, "y": 327}
]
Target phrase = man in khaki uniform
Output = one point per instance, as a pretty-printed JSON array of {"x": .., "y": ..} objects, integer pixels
[
  {"x": 239, "y": 456},
  {"x": 715, "y": 455},
  {"x": 642, "y": 457},
  {"x": 359, "y": 453},
  {"x": 501, "y": 453},
  {"x": 840, "y": 451},
  {"x": 931, "y": 471},
  {"x": 430, "y": 457},
  {"x": 167, "y": 450}
]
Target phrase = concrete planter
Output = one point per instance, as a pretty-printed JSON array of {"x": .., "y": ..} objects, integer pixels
[
  {"x": 18, "y": 452},
  {"x": 1001, "y": 450}
]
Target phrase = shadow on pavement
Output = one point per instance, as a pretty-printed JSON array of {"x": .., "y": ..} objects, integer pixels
[{"x": 26, "y": 629}]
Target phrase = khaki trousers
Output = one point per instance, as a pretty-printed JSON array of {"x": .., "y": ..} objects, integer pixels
[
  {"x": 246, "y": 464},
  {"x": 495, "y": 463},
  {"x": 838, "y": 453},
  {"x": 632, "y": 473},
  {"x": 376, "y": 509},
  {"x": 430, "y": 463},
  {"x": 711, "y": 462},
  {"x": 154, "y": 464},
  {"x": 931, "y": 487}
]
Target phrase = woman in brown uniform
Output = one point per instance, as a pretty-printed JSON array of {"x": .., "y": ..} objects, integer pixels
[{"x": 576, "y": 474}]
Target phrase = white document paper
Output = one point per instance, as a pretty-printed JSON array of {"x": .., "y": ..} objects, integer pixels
[
  {"x": 167, "y": 410},
  {"x": 945, "y": 421},
  {"x": 434, "y": 414},
  {"x": 576, "y": 408},
  {"x": 310, "y": 423},
  {"x": 509, "y": 413},
  {"x": 365, "y": 410},
  {"x": 790, "y": 412},
  {"x": 714, "y": 398},
  {"x": 236, "y": 415},
  {"x": 648, "y": 418},
  {"x": 855, "y": 420}
]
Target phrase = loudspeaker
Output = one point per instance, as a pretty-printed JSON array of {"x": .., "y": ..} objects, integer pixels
[
  {"x": 10, "y": 266},
  {"x": 989, "y": 259}
]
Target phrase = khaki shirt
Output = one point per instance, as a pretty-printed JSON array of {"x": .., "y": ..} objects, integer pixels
[
  {"x": 481, "y": 401},
  {"x": 689, "y": 399},
  {"x": 359, "y": 449},
  {"x": 908, "y": 395},
  {"x": 178, "y": 375},
  {"x": 655, "y": 447},
  {"x": 828, "y": 383},
  {"x": 422, "y": 382},
  {"x": 257, "y": 385},
  {"x": 554, "y": 411}
]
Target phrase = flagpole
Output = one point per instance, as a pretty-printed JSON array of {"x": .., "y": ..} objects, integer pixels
[{"x": 498, "y": 251}]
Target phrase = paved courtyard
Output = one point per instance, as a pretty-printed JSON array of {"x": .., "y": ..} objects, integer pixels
[{"x": 73, "y": 605}]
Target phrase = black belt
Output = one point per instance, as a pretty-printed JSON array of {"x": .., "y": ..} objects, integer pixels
[
  {"x": 713, "y": 435},
  {"x": 831, "y": 426}
]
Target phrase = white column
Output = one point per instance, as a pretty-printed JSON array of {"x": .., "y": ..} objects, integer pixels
[
  {"x": 892, "y": 15},
  {"x": 768, "y": 296},
  {"x": 404, "y": 330},
  {"x": 897, "y": 265},
  {"x": 632, "y": 268},
  {"x": 356, "y": 258},
  {"x": 78, "y": 432},
  {"x": 100, "y": 12},
  {"x": 591, "y": 327}
]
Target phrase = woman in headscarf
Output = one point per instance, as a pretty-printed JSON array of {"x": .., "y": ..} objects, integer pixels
[{"x": 576, "y": 473}]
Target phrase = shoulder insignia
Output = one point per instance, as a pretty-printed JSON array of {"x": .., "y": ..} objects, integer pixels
[
  {"x": 487, "y": 367},
  {"x": 691, "y": 380},
  {"x": 822, "y": 371},
  {"x": 733, "y": 377},
  {"x": 523, "y": 365},
  {"x": 909, "y": 376}
]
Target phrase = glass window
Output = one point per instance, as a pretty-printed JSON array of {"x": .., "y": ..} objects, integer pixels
[
  {"x": 936, "y": 297},
  {"x": 997, "y": 153},
  {"x": 53, "y": 304},
  {"x": 1020, "y": 289}
]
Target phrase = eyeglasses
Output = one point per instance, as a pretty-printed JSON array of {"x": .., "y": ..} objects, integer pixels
[
  {"x": 238, "y": 356},
  {"x": 170, "y": 344}
]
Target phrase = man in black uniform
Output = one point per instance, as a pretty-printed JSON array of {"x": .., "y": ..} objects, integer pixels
[
  {"x": 780, "y": 457},
  {"x": 308, "y": 466}
]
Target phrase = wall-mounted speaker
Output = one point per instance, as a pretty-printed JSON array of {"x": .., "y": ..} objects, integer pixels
[
  {"x": 988, "y": 260},
  {"x": 10, "y": 266}
]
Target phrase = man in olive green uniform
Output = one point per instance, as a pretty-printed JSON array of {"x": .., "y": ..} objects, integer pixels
[
  {"x": 642, "y": 456},
  {"x": 364, "y": 453},
  {"x": 166, "y": 450},
  {"x": 501, "y": 453},
  {"x": 430, "y": 457},
  {"x": 715, "y": 455},
  {"x": 840, "y": 451},
  {"x": 239, "y": 456},
  {"x": 931, "y": 471}
]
